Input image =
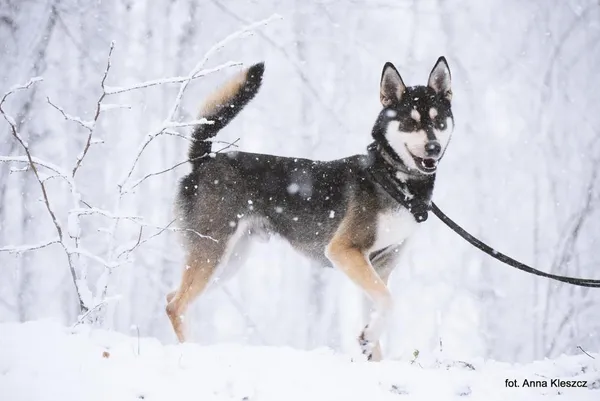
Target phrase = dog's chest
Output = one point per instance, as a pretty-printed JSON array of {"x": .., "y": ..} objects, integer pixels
[{"x": 393, "y": 227}]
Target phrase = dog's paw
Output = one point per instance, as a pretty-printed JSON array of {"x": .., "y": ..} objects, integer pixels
[{"x": 366, "y": 347}]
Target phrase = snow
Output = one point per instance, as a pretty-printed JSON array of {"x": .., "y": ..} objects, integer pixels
[{"x": 43, "y": 360}]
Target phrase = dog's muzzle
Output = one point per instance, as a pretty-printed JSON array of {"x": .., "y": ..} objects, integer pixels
[{"x": 428, "y": 164}]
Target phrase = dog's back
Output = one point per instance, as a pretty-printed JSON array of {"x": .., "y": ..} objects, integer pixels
[{"x": 302, "y": 200}]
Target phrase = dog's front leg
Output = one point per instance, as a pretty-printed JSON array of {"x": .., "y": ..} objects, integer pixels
[{"x": 355, "y": 264}]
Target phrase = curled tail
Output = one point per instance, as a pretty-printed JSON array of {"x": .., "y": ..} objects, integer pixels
[{"x": 221, "y": 107}]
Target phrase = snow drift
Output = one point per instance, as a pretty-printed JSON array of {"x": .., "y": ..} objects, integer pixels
[{"x": 45, "y": 361}]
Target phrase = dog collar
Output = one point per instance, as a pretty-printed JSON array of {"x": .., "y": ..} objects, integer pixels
[{"x": 413, "y": 194}]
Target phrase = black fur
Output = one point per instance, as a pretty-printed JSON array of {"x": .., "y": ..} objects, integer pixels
[{"x": 299, "y": 199}]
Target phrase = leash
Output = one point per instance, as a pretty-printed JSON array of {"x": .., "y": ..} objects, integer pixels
[
  {"x": 419, "y": 203},
  {"x": 583, "y": 282}
]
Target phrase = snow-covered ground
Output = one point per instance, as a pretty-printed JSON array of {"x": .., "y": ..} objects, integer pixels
[{"x": 45, "y": 361}]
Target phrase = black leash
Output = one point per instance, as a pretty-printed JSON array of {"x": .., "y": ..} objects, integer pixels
[
  {"x": 583, "y": 282},
  {"x": 418, "y": 201}
]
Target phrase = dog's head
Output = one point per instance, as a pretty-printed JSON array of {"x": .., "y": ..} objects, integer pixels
[{"x": 416, "y": 121}]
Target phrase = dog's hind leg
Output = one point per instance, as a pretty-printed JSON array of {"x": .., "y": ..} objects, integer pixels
[
  {"x": 355, "y": 264},
  {"x": 209, "y": 264},
  {"x": 198, "y": 271}
]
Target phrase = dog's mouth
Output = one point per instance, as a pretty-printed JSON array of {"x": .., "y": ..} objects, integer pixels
[{"x": 427, "y": 165}]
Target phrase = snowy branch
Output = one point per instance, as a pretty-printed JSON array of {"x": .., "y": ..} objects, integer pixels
[
  {"x": 18, "y": 249},
  {"x": 105, "y": 213},
  {"x": 94, "y": 308},
  {"x": 33, "y": 162},
  {"x": 144, "y": 178},
  {"x": 90, "y": 255},
  {"x": 175, "y": 124},
  {"x": 25, "y": 146},
  {"x": 68, "y": 234},
  {"x": 60, "y": 173},
  {"x": 113, "y": 90},
  {"x": 90, "y": 126},
  {"x": 139, "y": 241},
  {"x": 98, "y": 110},
  {"x": 168, "y": 123},
  {"x": 177, "y": 229}
]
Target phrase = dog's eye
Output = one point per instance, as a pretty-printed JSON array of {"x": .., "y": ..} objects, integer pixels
[{"x": 441, "y": 125}]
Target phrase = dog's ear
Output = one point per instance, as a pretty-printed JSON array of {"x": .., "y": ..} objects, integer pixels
[
  {"x": 439, "y": 79},
  {"x": 392, "y": 87}
]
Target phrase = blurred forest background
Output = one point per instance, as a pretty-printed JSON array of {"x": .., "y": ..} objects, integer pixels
[{"x": 521, "y": 171}]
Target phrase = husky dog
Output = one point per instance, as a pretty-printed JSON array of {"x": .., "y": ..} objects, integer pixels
[{"x": 353, "y": 213}]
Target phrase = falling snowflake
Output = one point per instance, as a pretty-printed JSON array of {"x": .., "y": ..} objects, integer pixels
[{"x": 293, "y": 188}]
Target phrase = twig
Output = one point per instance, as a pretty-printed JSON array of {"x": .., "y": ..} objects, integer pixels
[
  {"x": 26, "y": 248},
  {"x": 98, "y": 110},
  {"x": 88, "y": 254},
  {"x": 128, "y": 251},
  {"x": 113, "y": 90},
  {"x": 25, "y": 146},
  {"x": 88, "y": 125},
  {"x": 161, "y": 230},
  {"x": 177, "y": 229},
  {"x": 92, "y": 309},
  {"x": 60, "y": 173},
  {"x": 582, "y": 350},
  {"x": 136, "y": 327},
  {"x": 102, "y": 212},
  {"x": 19, "y": 170},
  {"x": 245, "y": 315},
  {"x": 108, "y": 106},
  {"x": 177, "y": 124},
  {"x": 144, "y": 178}
]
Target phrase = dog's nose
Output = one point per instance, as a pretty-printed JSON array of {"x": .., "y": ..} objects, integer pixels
[{"x": 433, "y": 148}]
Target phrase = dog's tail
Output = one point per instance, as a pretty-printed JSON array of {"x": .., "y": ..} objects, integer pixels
[{"x": 221, "y": 107}]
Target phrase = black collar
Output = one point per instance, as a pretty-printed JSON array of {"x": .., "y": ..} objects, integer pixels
[{"x": 413, "y": 191}]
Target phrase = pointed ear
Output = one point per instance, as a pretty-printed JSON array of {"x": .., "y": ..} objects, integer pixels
[
  {"x": 391, "y": 87},
  {"x": 439, "y": 79}
]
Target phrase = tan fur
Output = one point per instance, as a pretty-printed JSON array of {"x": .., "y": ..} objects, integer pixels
[
  {"x": 223, "y": 95},
  {"x": 346, "y": 251},
  {"x": 196, "y": 276}
]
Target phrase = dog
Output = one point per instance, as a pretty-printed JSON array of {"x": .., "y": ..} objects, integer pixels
[{"x": 353, "y": 213}]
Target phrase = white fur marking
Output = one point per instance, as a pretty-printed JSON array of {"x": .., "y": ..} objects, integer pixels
[
  {"x": 433, "y": 112},
  {"x": 393, "y": 227},
  {"x": 398, "y": 141},
  {"x": 415, "y": 115},
  {"x": 379, "y": 318}
]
